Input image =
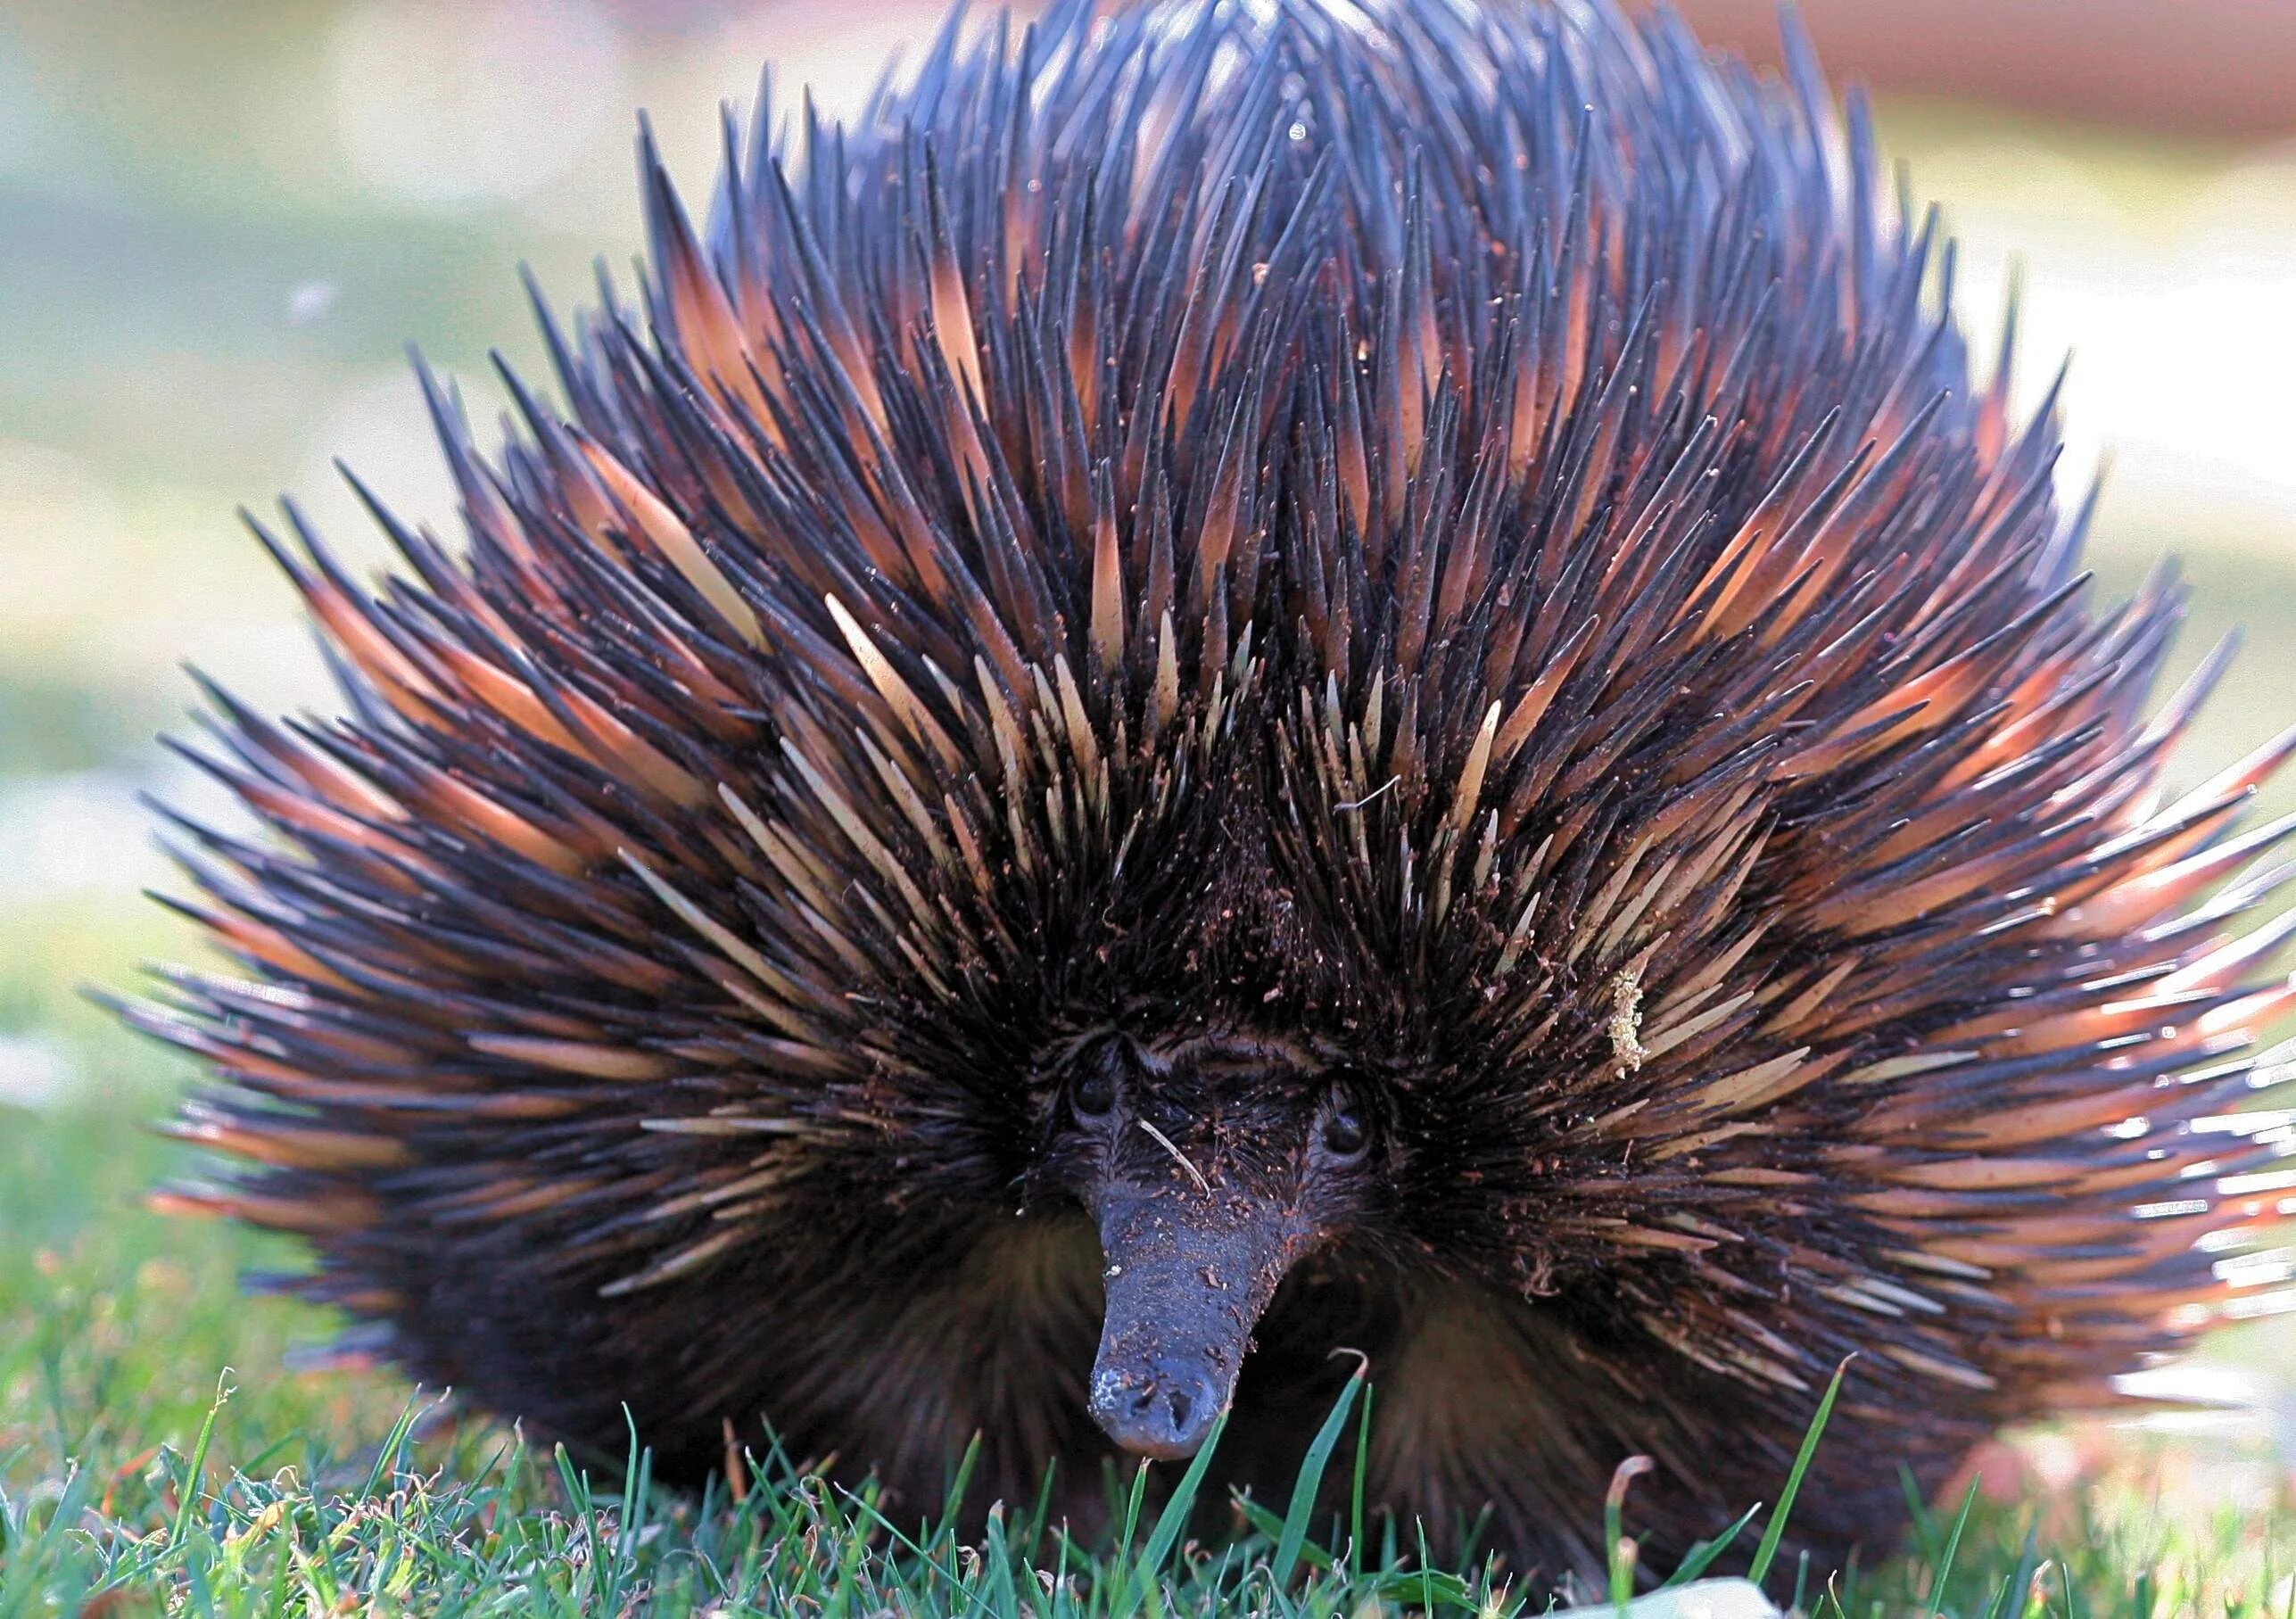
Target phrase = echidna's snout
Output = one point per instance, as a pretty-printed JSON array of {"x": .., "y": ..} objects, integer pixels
[{"x": 1188, "y": 1273}]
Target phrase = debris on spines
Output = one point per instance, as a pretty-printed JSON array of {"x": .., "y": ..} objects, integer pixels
[{"x": 1625, "y": 1025}]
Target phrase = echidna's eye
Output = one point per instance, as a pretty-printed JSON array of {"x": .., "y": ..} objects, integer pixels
[
  {"x": 1344, "y": 1136},
  {"x": 1095, "y": 1094}
]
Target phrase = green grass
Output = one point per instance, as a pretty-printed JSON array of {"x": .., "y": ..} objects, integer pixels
[{"x": 156, "y": 1456}]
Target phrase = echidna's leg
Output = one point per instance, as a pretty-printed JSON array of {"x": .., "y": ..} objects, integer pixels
[
  {"x": 989, "y": 1332},
  {"x": 1493, "y": 1401},
  {"x": 1481, "y": 1404},
  {"x": 997, "y": 1345}
]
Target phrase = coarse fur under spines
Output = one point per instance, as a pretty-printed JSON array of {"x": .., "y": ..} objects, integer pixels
[{"x": 1464, "y": 546}]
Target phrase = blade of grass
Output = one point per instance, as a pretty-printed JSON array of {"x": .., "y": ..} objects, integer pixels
[
  {"x": 21, "y": 1572},
  {"x": 2010, "y": 1600},
  {"x": 1953, "y": 1545},
  {"x": 1618, "y": 1551},
  {"x": 953, "y": 1503},
  {"x": 394, "y": 1446},
  {"x": 1033, "y": 1540},
  {"x": 1173, "y": 1520},
  {"x": 1427, "y": 1593},
  {"x": 1775, "y": 1530},
  {"x": 582, "y": 1506},
  {"x": 197, "y": 1471},
  {"x": 1701, "y": 1557},
  {"x": 1310, "y": 1480},
  {"x": 1355, "y": 1501},
  {"x": 948, "y": 1572},
  {"x": 1268, "y": 1523},
  {"x": 1132, "y": 1515},
  {"x": 621, "y": 1554},
  {"x": 856, "y": 1551},
  {"x": 1121, "y": 1598},
  {"x": 1925, "y": 1530},
  {"x": 997, "y": 1561}
]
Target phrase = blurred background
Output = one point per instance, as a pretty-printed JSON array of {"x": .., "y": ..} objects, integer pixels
[{"x": 225, "y": 222}]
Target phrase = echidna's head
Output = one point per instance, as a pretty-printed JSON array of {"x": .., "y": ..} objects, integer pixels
[
  {"x": 1384, "y": 656},
  {"x": 1209, "y": 1165}
]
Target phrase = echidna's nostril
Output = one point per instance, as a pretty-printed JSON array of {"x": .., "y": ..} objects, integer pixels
[{"x": 1162, "y": 1407}]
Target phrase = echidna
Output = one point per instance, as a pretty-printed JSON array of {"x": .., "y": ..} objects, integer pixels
[{"x": 1236, "y": 682}]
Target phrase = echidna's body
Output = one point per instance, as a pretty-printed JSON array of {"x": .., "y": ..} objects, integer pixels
[{"x": 1387, "y": 654}]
